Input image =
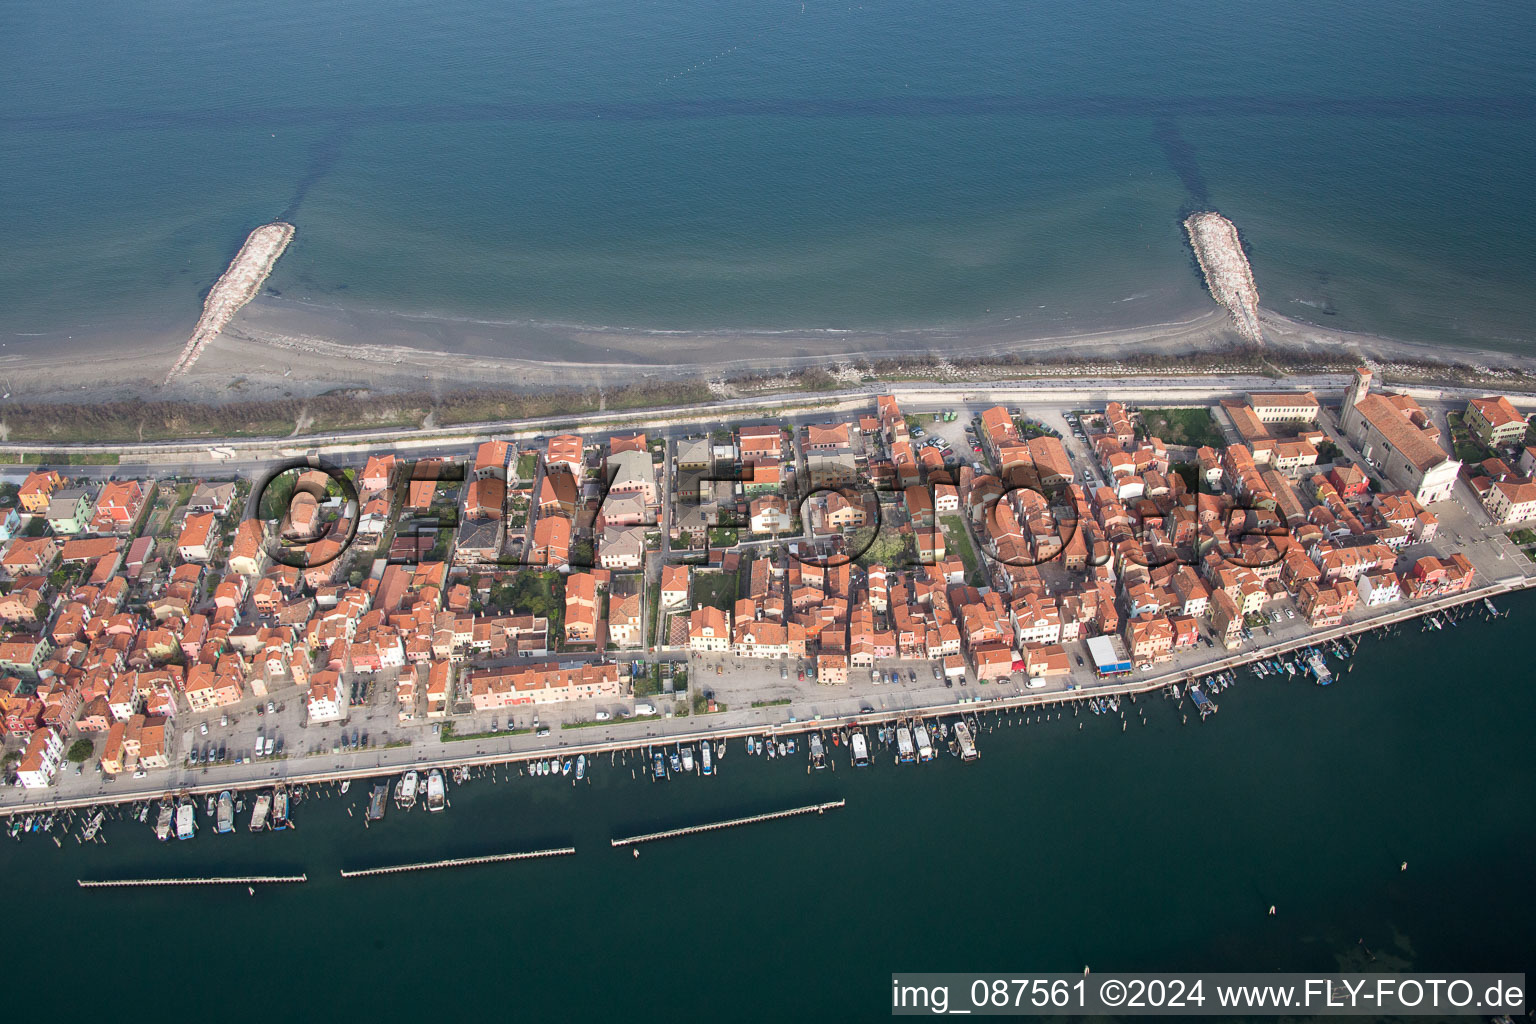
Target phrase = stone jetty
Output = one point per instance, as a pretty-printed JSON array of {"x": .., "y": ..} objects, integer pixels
[
  {"x": 1227, "y": 273},
  {"x": 239, "y": 285}
]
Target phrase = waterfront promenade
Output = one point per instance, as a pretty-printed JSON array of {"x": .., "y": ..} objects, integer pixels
[{"x": 638, "y": 735}]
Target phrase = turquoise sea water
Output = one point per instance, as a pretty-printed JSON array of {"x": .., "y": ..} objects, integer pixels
[
  {"x": 772, "y": 164},
  {"x": 1157, "y": 848}
]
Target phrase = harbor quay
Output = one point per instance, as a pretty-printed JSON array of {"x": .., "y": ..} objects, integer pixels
[
  {"x": 307, "y": 622},
  {"x": 396, "y": 761}
]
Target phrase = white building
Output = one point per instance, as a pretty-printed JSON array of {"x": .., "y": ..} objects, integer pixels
[
  {"x": 327, "y": 701},
  {"x": 40, "y": 763}
]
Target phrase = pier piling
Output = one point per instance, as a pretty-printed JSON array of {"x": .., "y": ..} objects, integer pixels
[
  {"x": 459, "y": 862},
  {"x": 753, "y": 819},
  {"x": 123, "y": 883}
]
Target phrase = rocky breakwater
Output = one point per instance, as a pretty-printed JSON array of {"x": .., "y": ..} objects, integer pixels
[
  {"x": 239, "y": 285},
  {"x": 1227, "y": 273}
]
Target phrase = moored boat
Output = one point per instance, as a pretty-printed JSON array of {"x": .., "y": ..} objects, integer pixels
[
  {"x": 163, "y": 821},
  {"x": 860, "y": 747},
  {"x": 376, "y": 801},
  {"x": 405, "y": 791},
  {"x": 818, "y": 753},
  {"x": 225, "y": 821},
  {"x": 279, "y": 808},
  {"x": 706, "y": 759},
  {"x": 904, "y": 748},
  {"x": 924, "y": 746},
  {"x": 259, "y": 812},
  {"x": 436, "y": 795},
  {"x": 688, "y": 759},
  {"x": 186, "y": 819},
  {"x": 968, "y": 751}
]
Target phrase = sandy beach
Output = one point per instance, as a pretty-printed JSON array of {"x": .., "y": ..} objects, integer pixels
[{"x": 280, "y": 348}]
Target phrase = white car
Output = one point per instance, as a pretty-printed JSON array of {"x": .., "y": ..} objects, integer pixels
[
  {"x": 203, "y": 729},
  {"x": 602, "y": 716}
]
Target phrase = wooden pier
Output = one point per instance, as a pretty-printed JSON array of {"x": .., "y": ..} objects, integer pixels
[
  {"x": 127, "y": 883},
  {"x": 673, "y": 833},
  {"x": 459, "y": 862}
]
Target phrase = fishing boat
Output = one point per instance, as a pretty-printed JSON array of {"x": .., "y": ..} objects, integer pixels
[
  {"x": 904, "y": 750},
  {"x": 924, "y": 746},
  {"x": 565, "y": 767},
  {"x": 688, "y": 759},
  {"x": 675, "y": 761},
  {"x": 279, "y": 808},
  {"x": 658, "y": 766},
  {"x": 1319, "y": 667},
  {"x": 376, "y": 801},
  {"x": 968, "y": 751},
  {"x": 581, "y": 766},
  {"x": 405, "y": 791},
  {"x": 259, "y": 812},
  {"x": 1203, "y": 704},
  {"x": 211, "y": 804},
  {"x": 436, "y": 796},
  {"x": 860, "y": 747},
  {"x": 163, "y": 821},
  {"x": 224, "y": 823},
  {"x": 345, "y": 785},
  {"x": 706, "y": 759},
  {"x": 783, "y": 749},
  {"x": 93, "y": 826},
  {"x": 186, "y": 819},
  {"x": 818, "y": 752}
]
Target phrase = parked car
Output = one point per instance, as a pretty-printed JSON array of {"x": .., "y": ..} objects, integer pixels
[{"x": 601, "y": 716}]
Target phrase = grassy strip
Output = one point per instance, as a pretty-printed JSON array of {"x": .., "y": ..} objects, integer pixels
[
  {"x": 37, "y": 459},
  {"x": 772, "y": 703},
  {"x": 955, "y": 535},
  {"x": 588, "y": 725},
  {"x": 447, "y": 734}
]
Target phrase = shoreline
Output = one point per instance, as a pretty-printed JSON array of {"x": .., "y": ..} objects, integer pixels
[
  {"x": 796, "y": 726},
  {"x": 282, "y": 349}
]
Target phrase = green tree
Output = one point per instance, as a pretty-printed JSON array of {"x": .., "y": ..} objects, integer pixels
[{"x": 81, "y": 750}]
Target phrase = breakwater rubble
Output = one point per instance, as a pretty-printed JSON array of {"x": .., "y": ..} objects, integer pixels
[
  {"x": 1227, "y": 273},
  {"x": 239, "y": 284}
]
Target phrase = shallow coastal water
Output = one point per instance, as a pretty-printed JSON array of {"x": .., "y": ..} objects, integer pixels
[
  {"x": 765, "y": 165},
  {"x": 1158, "y": 848}
]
